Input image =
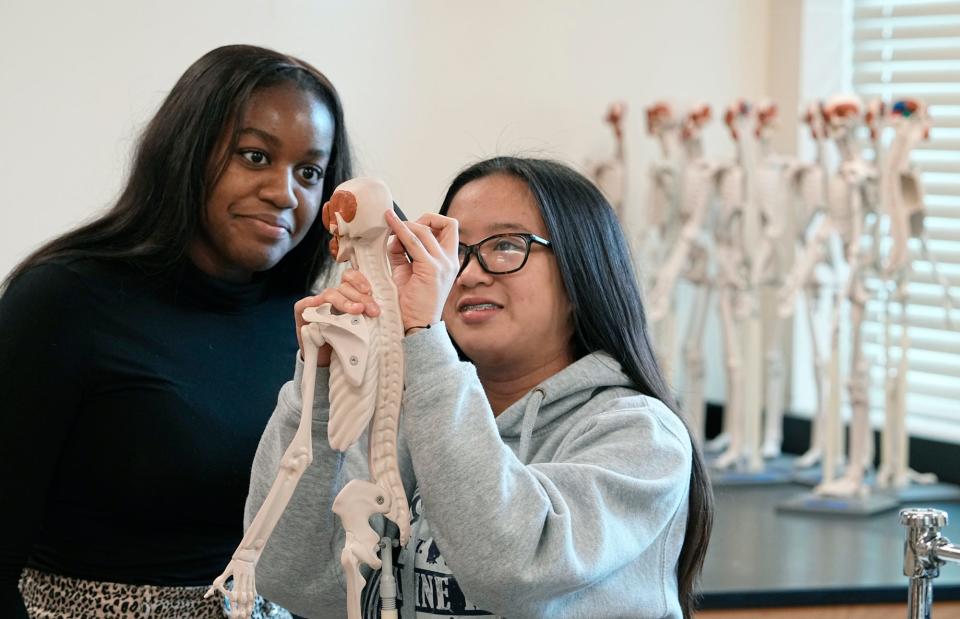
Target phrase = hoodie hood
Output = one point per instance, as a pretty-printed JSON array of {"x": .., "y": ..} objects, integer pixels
[
  {"x": 561, "y": 394},
  {"x": 567, "y": 390}
]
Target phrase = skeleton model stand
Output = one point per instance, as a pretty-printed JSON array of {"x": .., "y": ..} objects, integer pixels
[
  {"x": 850, "y": 201},
  {"x": 690, "y": 256},
  {"x": 366, "y": 384},
  {"x": 733, "y": 284},
  {"x": 770, "y": 267},
  {"x": 809, "y": 187},
  {"x": 662, "y": 220},
  {"x": 753, "y": 250},
  {"x": 902, "y": 199},
  {"x": 842, "y": 224}
]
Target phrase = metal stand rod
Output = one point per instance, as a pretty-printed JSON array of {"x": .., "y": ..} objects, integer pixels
[
  {"x": 949, "y": 553},
  {"x": 920, "y": 598},
  {"x": 924, "y": 551}
]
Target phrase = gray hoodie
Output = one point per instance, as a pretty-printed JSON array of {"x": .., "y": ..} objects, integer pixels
[{"x": 571, "y": 503}]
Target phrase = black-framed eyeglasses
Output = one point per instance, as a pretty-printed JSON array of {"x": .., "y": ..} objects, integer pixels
[{"x": 501, "y": 253}]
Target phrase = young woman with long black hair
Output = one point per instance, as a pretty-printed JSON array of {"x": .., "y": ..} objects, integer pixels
[
  {"x": 548, "y": 471},
  {"x": 140, "y": 354}
]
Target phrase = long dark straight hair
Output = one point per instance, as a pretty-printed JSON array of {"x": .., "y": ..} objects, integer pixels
[
  {"x": 161, "y": 209},
  {"x": 594, "y": 261}
]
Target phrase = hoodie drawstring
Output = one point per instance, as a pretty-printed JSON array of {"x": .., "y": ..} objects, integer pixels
[{"x": 530, "y": 412}]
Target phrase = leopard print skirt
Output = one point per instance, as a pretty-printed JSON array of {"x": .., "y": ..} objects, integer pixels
[{"x": 51, "y": 596}]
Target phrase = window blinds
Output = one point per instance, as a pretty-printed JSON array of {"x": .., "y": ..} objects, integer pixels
[{"x": 911, "y": 48}]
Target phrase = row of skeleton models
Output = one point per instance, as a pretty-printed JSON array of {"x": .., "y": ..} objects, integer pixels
[{"x": 759, "y": 231}]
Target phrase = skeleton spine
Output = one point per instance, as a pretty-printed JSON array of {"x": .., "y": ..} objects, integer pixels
[{"x": 387, "y": 339}]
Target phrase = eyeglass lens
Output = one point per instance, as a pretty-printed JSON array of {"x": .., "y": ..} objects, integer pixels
[{"x": 499, "y": 254}]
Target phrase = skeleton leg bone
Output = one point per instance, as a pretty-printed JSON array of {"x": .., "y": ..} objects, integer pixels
[
  {"x": 814, "y": 453},
  {"x": 773, "y": 410},
  {"x": 732, "y": 409},
  {"x": 851, "y": 484},
  {"x": 891, "y": 470},
  {"x": 355, "y": 504},
  {"x": 693, "y": 355}
]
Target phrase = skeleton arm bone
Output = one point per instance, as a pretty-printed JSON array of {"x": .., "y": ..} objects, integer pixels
[
  {"x": 663, "y": 194},
  {"x": 938, "y": 277},
  {"x": 662, "y": 292},
  {"x": 815, "y": 451},
  {"x": 903, "y": 196},
  {"x": 773, "y": 183},
  {"x": 920, "y": 233},
  {"x": 697, "y": 183},
  {"x": 295, "y": 461},
  {"x": 802, "y": 271},
  {"x": 348, "y": 335}
]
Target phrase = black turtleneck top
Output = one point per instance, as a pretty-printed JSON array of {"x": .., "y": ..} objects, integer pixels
[{"x": 131, "y": 410}]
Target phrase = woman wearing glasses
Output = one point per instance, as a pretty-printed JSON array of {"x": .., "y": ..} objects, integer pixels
[{"x": 549, "y": 474}]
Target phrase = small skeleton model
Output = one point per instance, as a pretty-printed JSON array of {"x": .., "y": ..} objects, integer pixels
[
  {"x": 733, "y": 284},
  {"x": 851, "y": 200},
  {"x": 771, "y": 265},
  {"x": 902, "y": 198},
  {"x": 662, "y": 219},
  {"x": 813, "y": 234},
  {"x": 366, "y": 384},
  {"x": 690, "y": 256},
  {"x": 610, "y": 175}
]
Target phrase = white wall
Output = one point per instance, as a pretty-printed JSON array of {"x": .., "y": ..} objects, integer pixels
[{"x": 428, "y": 85}]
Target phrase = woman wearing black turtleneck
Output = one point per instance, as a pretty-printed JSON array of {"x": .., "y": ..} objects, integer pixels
[{"x": 141, "y": 355}]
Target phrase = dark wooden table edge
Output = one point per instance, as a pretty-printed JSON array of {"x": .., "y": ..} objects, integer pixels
[{"x": 818, "y": 597}]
